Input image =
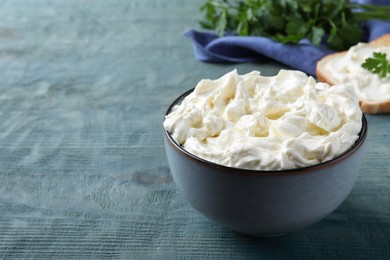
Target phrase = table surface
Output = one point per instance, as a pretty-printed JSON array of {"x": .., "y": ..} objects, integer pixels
[{"x": 83, "y": 173}]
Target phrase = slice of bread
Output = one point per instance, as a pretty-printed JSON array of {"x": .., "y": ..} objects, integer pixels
[{"x": 368, "y": 107}]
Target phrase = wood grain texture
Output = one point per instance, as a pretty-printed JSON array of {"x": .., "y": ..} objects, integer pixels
[{"x": 83, "y": 174}]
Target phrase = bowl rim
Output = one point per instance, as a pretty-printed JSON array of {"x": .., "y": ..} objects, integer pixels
[{"x": 227, "y": 169}]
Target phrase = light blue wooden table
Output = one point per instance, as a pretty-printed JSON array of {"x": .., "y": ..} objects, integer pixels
[{"x": 83, "y": 174}]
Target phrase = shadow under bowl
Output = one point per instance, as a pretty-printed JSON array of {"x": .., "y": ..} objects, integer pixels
[{"x": 263, "y": 203}]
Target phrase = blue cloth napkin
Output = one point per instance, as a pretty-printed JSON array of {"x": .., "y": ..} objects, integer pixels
[{"x": 209, "y": 47}]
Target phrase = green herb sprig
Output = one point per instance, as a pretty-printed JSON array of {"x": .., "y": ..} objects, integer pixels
[
  {"x": 378, "y": 64},
  {"x": 289, "y": 21}
]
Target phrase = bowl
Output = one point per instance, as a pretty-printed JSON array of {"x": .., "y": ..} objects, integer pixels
[{"x": 263, "y": 203}]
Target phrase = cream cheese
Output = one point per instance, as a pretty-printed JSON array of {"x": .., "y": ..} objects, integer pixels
[
  {"x": 347, "y": 69},
  {"x": 266, "y": 123}
]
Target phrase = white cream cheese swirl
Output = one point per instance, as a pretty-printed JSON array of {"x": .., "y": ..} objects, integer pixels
[
  {"x": 266, "y": 123},
  {"x": 347, "y": 69}
]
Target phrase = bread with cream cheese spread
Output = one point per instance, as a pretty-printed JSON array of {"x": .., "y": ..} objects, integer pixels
[{"x": 370, "y": 106}]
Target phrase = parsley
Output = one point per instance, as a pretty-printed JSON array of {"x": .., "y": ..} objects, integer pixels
[
  {"x": 378, "y": 64},
  {"x": 290, "y": 21}
]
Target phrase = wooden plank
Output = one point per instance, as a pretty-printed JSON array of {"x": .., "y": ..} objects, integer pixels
[{"x": 83, "y": 174}]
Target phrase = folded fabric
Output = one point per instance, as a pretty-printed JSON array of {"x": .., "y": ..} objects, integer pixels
[{"x": 209, "y": 47}]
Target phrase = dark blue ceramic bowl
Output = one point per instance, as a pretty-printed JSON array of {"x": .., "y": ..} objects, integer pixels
[{"x": 263, "y": 203}]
